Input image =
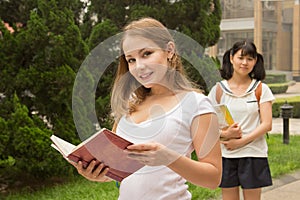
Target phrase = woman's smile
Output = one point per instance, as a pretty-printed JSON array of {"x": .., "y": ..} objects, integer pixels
[{"x": 145, "y": 76}]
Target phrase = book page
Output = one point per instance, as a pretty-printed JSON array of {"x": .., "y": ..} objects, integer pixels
[
  {"x": 64, "y": 147},
  {"x": 105, "y": 147}
]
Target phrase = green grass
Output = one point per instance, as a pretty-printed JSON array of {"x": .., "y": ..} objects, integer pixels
[
  {"x": 283, "y": 159},
  {"x": 79, "y": 188}
]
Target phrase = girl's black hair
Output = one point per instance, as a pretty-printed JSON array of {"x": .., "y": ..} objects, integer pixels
[{"x": 248, "y": 48}]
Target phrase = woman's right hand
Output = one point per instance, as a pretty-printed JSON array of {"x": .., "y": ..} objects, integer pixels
[
  {"x": 92, "y": 172},
  {"x": 233, "y": 131}
]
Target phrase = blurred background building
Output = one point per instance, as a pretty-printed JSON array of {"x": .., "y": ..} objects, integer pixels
[{"x": 273, "y": 25}]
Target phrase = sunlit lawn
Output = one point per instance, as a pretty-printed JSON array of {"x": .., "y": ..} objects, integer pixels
[{"x": 283, "y": 159}]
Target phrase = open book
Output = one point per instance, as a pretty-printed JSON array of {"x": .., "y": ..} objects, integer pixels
[
  {"x": 105, "y": 147},
  {"x": 224, "y": 116}
]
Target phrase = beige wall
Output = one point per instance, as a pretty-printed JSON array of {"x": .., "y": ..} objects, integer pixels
[
  {"x": 283, "y": 41},
  {"x": 296, "y": 40},
  {"x": 286, "y": 56},
  {"x": 258, "y": 25},
  {"x": 283, "y": 52}
]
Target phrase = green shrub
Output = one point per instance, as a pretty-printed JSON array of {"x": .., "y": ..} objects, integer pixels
[
  {"x": 278, "y": 88},
  {"x": 25, "y": 151},
  {"x": 293, "y": 101},
  {"x": 275, "y": 78}
]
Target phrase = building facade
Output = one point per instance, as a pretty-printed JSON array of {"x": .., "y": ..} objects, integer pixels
[{"x": 273, "y": 25}]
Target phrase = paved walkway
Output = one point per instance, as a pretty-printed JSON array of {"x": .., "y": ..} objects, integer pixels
[
  {"x": 293, "y": 90},
  {"x": 294, "y": 126},
  {"x": 287, "y": 186}
]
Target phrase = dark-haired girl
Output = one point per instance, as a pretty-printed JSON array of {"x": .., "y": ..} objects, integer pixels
[{"x": 244, "y": 148}]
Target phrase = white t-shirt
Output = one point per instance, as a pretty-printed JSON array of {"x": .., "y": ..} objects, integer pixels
[
  {"x": 172, "y": 130},
  {"x": 244, "y": 110}
]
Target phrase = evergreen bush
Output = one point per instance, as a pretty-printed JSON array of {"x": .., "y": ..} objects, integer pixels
[{"x": 25, "y": 147}]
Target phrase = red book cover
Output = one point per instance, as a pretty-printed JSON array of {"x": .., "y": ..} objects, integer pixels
[{"x": 104, "y": 146}]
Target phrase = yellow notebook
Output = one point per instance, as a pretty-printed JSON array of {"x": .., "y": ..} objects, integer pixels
[{"x": 224, "y": 116}]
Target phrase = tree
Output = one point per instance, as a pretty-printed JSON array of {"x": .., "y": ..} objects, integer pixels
[
  {"x": 50, "y": 51},
  {"x": 40, "y": 61},
  {"x": 25, "y": 151},
  {"x": 16, "y": 10},
  {"x": 39, "y": 67},
  {"x": 13, "y": 11},
  {"x": 198, "y": 19},
  {"x": 102, "y": 31}
]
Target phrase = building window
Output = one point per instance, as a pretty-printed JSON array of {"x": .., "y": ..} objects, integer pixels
[
  {"x": 237, "y": 9},
  {"x": 229, "y": 38}
]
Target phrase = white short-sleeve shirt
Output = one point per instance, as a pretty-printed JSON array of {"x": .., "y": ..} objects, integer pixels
[
  {"x": 172, "y": 130},
  {"x": 245, "y": 110}
]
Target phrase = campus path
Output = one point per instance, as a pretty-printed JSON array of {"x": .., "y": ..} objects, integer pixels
[{"x": 287, "y": 186}]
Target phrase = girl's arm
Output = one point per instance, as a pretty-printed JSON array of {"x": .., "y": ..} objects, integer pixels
[{"x": 265, "y": 124}]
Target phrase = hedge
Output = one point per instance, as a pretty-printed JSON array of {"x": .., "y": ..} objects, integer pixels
[
  {"x": 275, "y": 78},
  {"x": 278, "y": 88},
  {"x": 293, "y": 101}
]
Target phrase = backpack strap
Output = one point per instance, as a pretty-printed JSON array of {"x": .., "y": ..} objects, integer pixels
[{"x": 258, "y": 92}]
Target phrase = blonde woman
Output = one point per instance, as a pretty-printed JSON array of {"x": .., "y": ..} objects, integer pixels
[{"x": 159, "y": 110}]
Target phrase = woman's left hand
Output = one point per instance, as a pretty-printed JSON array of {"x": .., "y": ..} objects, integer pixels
[
  {"x": 233, "y": 144},
  {"x": 152, "y": 154}
]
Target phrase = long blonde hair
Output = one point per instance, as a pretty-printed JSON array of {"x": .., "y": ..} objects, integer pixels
[{"x": 127, "y": 92}]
